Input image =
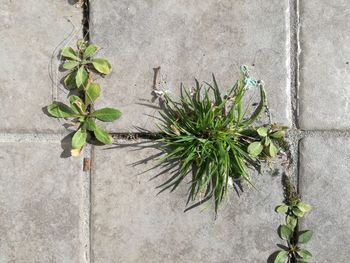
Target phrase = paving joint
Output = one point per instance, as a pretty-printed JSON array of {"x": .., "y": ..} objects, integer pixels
[
  {"x": 85, "y": 208},
  {"x": 294, "y": 59},
  {"x": 294, "y": 137},
  {"x": 86, "y": 20},
  {"x": 88, "y": 159},
  {"x": 31, "y": 137}
]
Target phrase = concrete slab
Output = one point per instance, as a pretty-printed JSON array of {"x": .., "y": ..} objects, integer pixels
[
  {"x": 325, "y": 64},
  {"x": 32, "y": 32},
  {"x": 189, "y": 40},
  {"x": 40, "y": 199},
  {"x": 131, "y": 224},
  {"x": 324, "y": 183}
]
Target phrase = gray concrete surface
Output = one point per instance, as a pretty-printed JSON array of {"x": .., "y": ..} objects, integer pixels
[
  {"x": 31, "y": 33},
  {"x": 46, "y": 199},
  {"x": 189, "y": 40},
  {"x": 40, "y": 203},
  {"x": 325, "y": 65},
  {"x": 324, "y": 183},
  {"x": 130, "y": 223}
]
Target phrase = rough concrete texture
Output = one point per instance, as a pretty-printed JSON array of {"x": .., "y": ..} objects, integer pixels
[
  {"x": 40, "y": 197},
  {"x": 131, "y": 224},
  {"x": 324, "y": 183},
  {"x": 31, "y": 35},
  {"x": 189, "y": 40},
  {"x": 325, "y": 64},
  {"x": 45, "y": 197}
]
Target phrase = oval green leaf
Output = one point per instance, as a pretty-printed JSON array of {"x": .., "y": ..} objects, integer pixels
[
  {"x": 291, "y": 221},
  {"x": 106, "y": 114},
  {"x": 79, "y": 139},
  {"x": 278, "y": 134},
  {"x": 262, "y": 131},
  {"x": 90, "y": 51},
  {"x": 255, "y": 148},
  {"x": 304, "y": 207},
  {"x": 60, "y": 110},
  {"x": 285, "y": 232},
  {"x": 273, "y": 150},
  {"x": 92, "y": 92},
  {"x": 102, "y": 135},
  {"x": 305, "y": 236},
  {"x": 296, "y": 211},
  {"x": 281, "y": 209},
  {"x": 69, "y": 80},
  {"x": 281, "y": 257},
  {"x": 267, "y": 141},
  {"x": 303, "y": 253},
  {"x": 102, "y": 65},
  {"x": 90, "y": 124},
  {"x": 81, "y": 78},
  {"x": 70, "y": 64},
  {"x": 69, "y": 52}
]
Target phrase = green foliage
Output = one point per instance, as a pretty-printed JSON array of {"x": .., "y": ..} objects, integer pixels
[
  {"x": 293, "y": 209},
  {"x": 304, "y": 236},
  {"x": 80, "y": 65},
  {"x": 214, "y": 139},
  {"x": 285, "y": 232},
  {"x": 60, "y": 110},
  {"x": 102, "y": 135},
  {"x": 81, "y": 62},
  {"x": 102, "y": 65},
  {"x": 281, "y": 256},
  {"x": 79, "y": 138},
  {"x": 106, "y": 114}
]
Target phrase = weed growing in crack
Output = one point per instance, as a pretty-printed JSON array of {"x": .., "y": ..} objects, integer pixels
[
  {"x": 83, "y": 93},
  {"x": 293, "y": 209},
  {"x": 214, "y": 139}
]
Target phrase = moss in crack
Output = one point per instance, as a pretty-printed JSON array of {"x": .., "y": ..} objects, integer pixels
[{"x": 291, "y": 196}]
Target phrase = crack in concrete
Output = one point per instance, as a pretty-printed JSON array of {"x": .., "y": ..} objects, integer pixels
[
  {"x": 295, "y": 53},
  {"x": 86, "y": 19},
  {"x": 294, "y": 137},
  {"x": 31, "y": 137},
  {"x": 86, "y": 209},
  {"x": 292, "y": 134}
]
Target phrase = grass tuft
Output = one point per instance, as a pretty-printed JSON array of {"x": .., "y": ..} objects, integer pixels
[{"x": 214, "y": 137}]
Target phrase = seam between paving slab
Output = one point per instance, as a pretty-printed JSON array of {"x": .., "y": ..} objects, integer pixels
[
  {"x": 86, "y": 205},
  {"x": 92, "y": 156},
  {"x": 294, "y": 86},
  {"x": 289, "y": 57},
  {"x": 294, "y": 28},
  {"x": 88, "y": 154}
]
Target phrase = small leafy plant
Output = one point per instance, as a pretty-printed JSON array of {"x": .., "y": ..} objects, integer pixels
[
  {"x": 293, "y": 209},
  {"x": 83, "y": 93},
  {"x": 215, "y": 138}
]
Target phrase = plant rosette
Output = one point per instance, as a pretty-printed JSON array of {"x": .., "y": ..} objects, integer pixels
[
  {"x": 293, "y": 208},
  {"x": 289, "y": 232},
  {"x": 79, "y": 81}
]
